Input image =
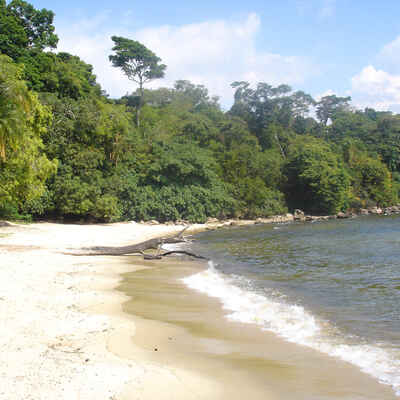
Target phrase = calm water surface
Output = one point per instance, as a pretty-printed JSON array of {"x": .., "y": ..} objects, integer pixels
[{"x": 332, "y": 286}]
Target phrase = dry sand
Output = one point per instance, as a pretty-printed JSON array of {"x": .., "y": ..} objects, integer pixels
[{"x": 58, "y": 314}]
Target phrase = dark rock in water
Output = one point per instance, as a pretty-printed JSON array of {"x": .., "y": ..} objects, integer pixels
[{"x": 364, "y": 211}]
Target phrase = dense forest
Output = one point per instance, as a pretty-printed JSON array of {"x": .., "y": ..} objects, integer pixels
[{"x": 68, "y": 151}]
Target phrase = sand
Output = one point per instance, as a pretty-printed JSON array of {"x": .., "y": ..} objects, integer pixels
[
  {"x": 58, "y": 314},
  {"x": 68, "y": 331}
]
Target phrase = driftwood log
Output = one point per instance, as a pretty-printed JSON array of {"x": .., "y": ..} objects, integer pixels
[{"x": 140, "y": 248}]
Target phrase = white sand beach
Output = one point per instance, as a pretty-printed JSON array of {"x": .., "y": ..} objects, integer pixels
[
  {"x": 58, "y": 314},
  {"x": 67, "y": 333}
]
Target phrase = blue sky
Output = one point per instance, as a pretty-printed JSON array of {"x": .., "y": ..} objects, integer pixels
[{"x": 346, "y": 47}]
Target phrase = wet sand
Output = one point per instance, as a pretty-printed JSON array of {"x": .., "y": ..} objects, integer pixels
[{"x": 177, "y": 327}]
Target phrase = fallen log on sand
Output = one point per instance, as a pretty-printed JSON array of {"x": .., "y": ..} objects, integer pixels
[{"x": 139, "y": 248}]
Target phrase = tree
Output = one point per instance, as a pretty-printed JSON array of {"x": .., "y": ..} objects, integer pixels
[
  {"x": 270, "y": 112},
  {"x": 328, "y": 107},
  {"x": 15, "y": 102},
  {"x": 24, "y": 29},
  {"x": 371, "y": 180},
  {"x": 316, "y": 180},
  {"x": 138, "y": 63},
  {"x": 23, "y": 120}
]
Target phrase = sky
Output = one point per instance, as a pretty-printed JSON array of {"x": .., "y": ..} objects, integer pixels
[{"x": 342, "y": 47}]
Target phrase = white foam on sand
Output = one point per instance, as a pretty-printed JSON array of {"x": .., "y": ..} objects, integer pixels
[{"x": 295, "y": 324}]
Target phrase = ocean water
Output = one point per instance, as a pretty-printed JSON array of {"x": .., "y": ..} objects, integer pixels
[{"x": 332, "y": 286}]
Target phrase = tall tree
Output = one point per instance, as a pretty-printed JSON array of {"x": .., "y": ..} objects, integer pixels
[
  {"x": 329, "y": 106},
  {"x": 138, "y": 63}
]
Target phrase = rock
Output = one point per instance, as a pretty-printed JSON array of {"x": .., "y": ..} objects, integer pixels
[
  {"x": 376, "y": 210},
  {"x": 299, "y": 215},
  {"x": 289, "y": 217},
  {"x": 364, "y": 211},
  {"x": 153, "y": 222},
  {"x": 391, "y": 210},
  {"x": 343, "y": 215},
  {"x": 235, "y": 223},
  {"x": 212, "y": 221}
]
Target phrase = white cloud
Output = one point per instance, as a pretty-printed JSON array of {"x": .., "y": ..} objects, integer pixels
[
  {"x": 376, "y": 88},
  {"x": 392, "y": 48},
  {"x": 213, "y": 53},
  {"x": 389, "y": 56}
]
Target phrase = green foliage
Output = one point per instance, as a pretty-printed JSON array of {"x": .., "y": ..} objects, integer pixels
[
  {"x": 179, "y": 183},
  {"x": 329, "y": 106},
  {"x": 371, "y": 179},
  {"x": 187, "y": 159},
  {"x": 37, "y": 24},
  {"x": 138, "y": 63},
  {"x": 24, "y": 29},
  {"x": 316, "y": 179},
  {"x": 23, "y": 166},
  {"x": 170, "y": 203}
]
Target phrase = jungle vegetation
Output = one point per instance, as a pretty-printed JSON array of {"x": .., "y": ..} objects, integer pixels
[{"x": 68, "y": 151}]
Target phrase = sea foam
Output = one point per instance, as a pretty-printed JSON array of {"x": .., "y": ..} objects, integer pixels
[{"x": 295, "y": 324}]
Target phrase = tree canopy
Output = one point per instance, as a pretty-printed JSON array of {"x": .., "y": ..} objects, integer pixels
[
  {"x": 138, "y": 63},
  {"x": 68, "y": 151}
]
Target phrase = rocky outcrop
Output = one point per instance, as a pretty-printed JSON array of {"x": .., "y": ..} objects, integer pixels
[
  {"x": 299, "y": 215},
  {"x": 392, "y": 210},
  {"x": 380, "y": 211}
]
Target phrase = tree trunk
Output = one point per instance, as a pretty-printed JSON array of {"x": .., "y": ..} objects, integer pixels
[
  {"x": 139, "y": 107},
  {"x": 154, "y": 244}
]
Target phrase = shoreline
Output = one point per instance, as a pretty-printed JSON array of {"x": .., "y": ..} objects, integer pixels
[
  {"x": 59, "y": 313},
  {"x": 181, "y": 327},
  {"x": 68, "y": 333}
]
